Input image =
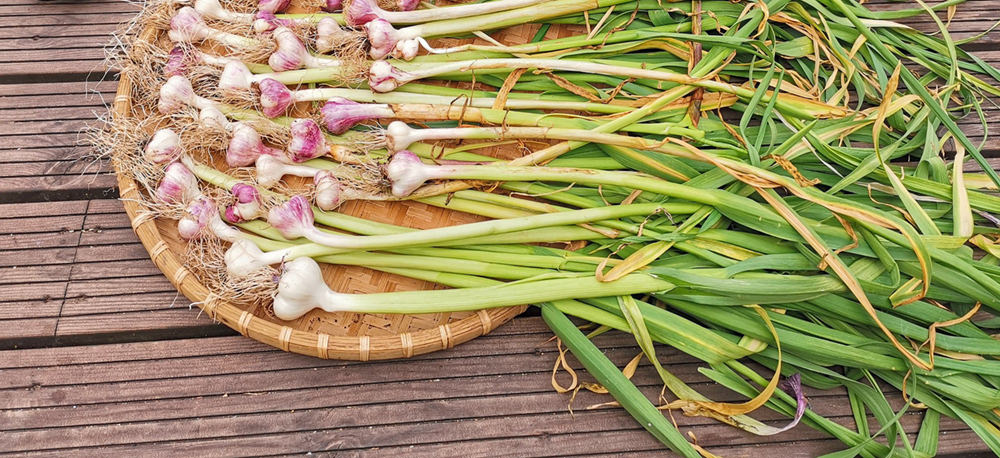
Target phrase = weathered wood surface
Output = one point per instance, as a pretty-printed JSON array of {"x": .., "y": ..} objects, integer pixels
[
  {"x": 98, "y": 353},
  {"x": 228, "y": 396}
]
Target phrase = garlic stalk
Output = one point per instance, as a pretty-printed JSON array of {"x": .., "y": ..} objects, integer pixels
[
  {"x": 385, "y": 39},
  {"x": 360, "y": 12},
  {"x": 295, "y": 219},
  {"x": 384, "y": 77},
  {"x": 399, "y": 136},
  {"x": 302, "y": 288}
]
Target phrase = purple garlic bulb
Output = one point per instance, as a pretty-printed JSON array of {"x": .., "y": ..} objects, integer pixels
[
  {"x": 291, "y": 53},
  {"x": 382, "y": 38},
  {"x": 360, "y": 12},
  {"x": 187, "y": 26},
  {"x": 245, "y": 146},
  {"x": 328, "y": 190},
  {"x": 177, "y": 62},
  {"x": 248, "y": 204},
  {"x": 266, "y": 22},
  {"x": 178, "y": 185},
  {"x": 340, "y": 114},
  {"x": 198, "y": 216},
  {"x": 307, "y": 142},
  {"x": 164, "y": 147},
  {"x": 273, "y": 6},
  {"x": 293, "y": 218},
  {"x": 407, "y": 5},
  {"x": 383, "y": 77},
  {"x": 332, "y": 6},
  {"x": 275, "y": 98}
]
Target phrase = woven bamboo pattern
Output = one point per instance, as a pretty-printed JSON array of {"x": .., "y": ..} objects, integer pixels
[{"x": 348, "y": 336}]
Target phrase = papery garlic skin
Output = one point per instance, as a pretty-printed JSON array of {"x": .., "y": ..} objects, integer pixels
[
  {"x": 246, "y": 146},
  {"x": 275, "y": 98},
  {"x": 177, "y": 94},
  {"x": 302, "y": 288},
  {"x": 178, "y": 185},
  {"x": 399, "y": 136},
  {"x": 212, "y": 118},
  {"x": 383, "y": 77},
  {"x": 360, "y": 12},
  {"x": 265, "y": 22},
  {"x": 187, "y": 26},
  {"x": 291, "y": 53},
  {"x": 308, "y": 141},
  {"x": 382, "y": 38},
  {"x": 236, "y": 79},
  {"x": 407, "y": 5},
  {"x": 271, "y": 169},
  {"x": 328, "y": 190},
  {"x": 197, "y": 218},
  {"x": 202, "y": 219},
  {"x": 214, "y": 9},
  {"x": 177, "y": 62},
  {"x": 248, "y": 204},
  {"x": 293, "y": 219},
  {"x": 164, "y": 147},
  {"x": 328, "y": 35},
  {"x": 406, "y": 49},
  {"x": 333, "y": 6},
  {"x": 273, "y": 6},
  {"x": 340, "y": 114},
  {"x": 407, "y": 173},
  {"x": 243, "y": 258}
]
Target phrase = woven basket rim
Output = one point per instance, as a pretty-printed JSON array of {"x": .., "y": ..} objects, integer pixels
[{"x": 326, "y": 346}]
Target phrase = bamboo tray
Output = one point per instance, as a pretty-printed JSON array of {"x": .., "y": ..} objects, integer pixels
[{"x": 348, "y": 336}]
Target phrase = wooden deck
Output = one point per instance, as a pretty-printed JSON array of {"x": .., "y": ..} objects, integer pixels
[{"x": 99, "y": 354}]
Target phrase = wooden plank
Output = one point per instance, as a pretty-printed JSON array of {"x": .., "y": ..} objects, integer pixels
[
  {"x": 37, "y": 257},
  {"x": 17, "y": 275},
  {"x": 424, "y": 422},
  {"x": 44, "y": 293},
  {"x": 176, "y": 323},
  {"x": 521, "y": 404},
  {"x": 960, "y": 442},
  {"x": 10, "y": 13},
  {"x": 139, "y": 351},
  {"x": 18, "y": 332},
  {"x": 470, "y": 364}
]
